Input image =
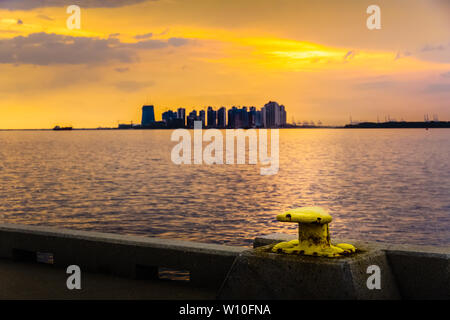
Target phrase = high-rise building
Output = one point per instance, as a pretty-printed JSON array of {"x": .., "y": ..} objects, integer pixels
[
  {"x": 212, "y": 118},
  {"x": 181, "y": 114},
  {"x": 191, "y": 118},
  {"x": 168, "y": 116},
  {"x": 264, "y": 117},
  {"x": 252, "y": 117},
  {"x": 238, "y": 118},
  {"x": 283, "y": 116},
  {"x": 244, "y": 117},
  {"x": 221, "y": 117},
  {"x": 272, "y": 115},
  {"x": 148, "y": 115},
  {"x": 231, "y": 116},
  {"x": 171, "y": 120},
  {"x": 258, "y": 119},
  {"x": 202, "y": 117}
]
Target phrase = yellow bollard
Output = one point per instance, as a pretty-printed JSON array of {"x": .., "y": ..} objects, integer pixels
[{"x": 313, "y": 234}]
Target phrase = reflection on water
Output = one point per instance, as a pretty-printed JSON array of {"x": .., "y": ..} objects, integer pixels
[{"x": 386, "y": 185}]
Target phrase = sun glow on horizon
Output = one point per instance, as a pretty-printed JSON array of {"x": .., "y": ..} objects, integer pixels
[{"x": 155, "y": 52}]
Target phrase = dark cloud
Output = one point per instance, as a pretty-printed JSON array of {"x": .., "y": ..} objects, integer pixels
[
  {"x": 178, "y": 42},
  {"x": 438, "y": 88},
  {"x": 122, "y": 70},
  {"x": 148, "y": 44},
  {"x": 350, "y": 55},
  {"x": 47, "y": 49},
  {"x": 437, "y": 53},
  {"x": 400, "y": 55},
  {"x": 33, "y": 4},
  {"x": 44, "y": 17},
  {"x": 428, "y": 48},
  {"x": 446, "y": 75},
  {"x": 158, "y": 44},
  {"x": 143, "y": 36},
  {"x": 19, "y": 21}
]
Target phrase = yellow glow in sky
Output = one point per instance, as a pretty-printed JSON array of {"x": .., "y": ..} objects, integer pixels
[{"x": 320, "y": 61}]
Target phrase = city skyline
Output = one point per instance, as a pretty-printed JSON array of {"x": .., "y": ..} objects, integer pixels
[
  {"x": 320, "y": 60},
  {"x": 271, "y": 115}
]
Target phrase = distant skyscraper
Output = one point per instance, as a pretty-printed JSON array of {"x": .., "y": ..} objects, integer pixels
[
  {"x": 272, "y": 115},
  {"x": 171, "y": 120},
  {"x": 244, "y": 118},
  {"x": 221, "y": 118},
  {"x": 169, "y": 116},
  {"x": 202, "y": 117},
  {"x": 148, "y": 115},
  {"x": 231, "y": 116},
  {"x": 191, "y": 118},
  {"x": 258, "y": 119},
  {"x": 252, "y": 117},
  {"x": 283, "y": 116},
  {"x": 238, "y": 118},
  {"x": 212, "y": 118},
  {"x": 264, "y": 117},
  {"x": 181, "y": 114}
]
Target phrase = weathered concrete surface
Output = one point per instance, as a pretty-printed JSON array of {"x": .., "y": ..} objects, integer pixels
[
  {"x": 115, "y": 266},
  {"x": 261, "y": 274},
  {"x": 38, "y": 281},
  {"x": 126, "y": 256},
  {"x": 420, "y": 272}
]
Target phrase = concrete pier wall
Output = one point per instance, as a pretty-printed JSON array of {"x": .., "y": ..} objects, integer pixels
[
  {"x": 408, "y": 272},
  {"x": 126, "y": 256}
]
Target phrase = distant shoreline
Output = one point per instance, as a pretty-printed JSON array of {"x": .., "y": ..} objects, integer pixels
[
  {"x": 400, "y": 125},
  {"x": 362, "y": 125}
]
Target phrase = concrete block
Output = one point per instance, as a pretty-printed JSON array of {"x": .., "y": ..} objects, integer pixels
[
  {"x": 420, "y": 274},
  {"x": 261, "y": 274}
]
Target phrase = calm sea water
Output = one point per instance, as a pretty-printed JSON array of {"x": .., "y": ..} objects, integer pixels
[{"x": 383, "y": 185}]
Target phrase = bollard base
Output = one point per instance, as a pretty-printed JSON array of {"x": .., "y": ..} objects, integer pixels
[{"x": 261, "y": 274}]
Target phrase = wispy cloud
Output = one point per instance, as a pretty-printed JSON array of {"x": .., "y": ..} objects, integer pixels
[
  {"x": 44, "y": 17},
  {"x": 143, "y": 36}
]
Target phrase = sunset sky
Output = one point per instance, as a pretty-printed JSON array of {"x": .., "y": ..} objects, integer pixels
[{"x": 316, "y": 57}]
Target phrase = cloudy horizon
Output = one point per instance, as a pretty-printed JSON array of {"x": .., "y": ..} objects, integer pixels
[{"x": 319, "y": 60}]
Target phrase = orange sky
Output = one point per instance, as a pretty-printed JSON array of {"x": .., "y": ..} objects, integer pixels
[{"x": 315, "y": 57}]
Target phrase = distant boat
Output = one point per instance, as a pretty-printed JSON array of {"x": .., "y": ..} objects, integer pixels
[{"x": 58, "y": 128}]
